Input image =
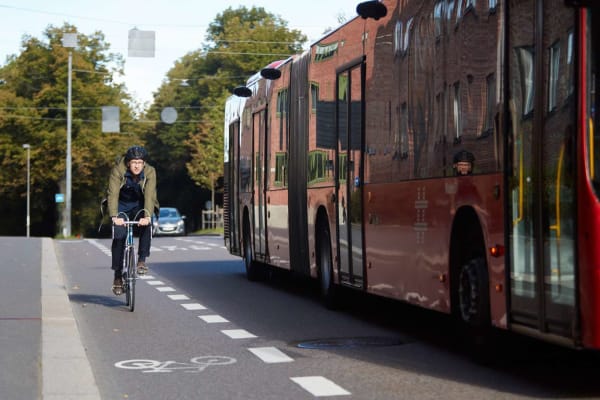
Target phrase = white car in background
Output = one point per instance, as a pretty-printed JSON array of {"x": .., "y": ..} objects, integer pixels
[{"x": 170, "y": 222}]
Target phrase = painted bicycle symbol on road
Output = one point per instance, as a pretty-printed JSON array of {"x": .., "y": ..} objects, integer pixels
[{"x": 196, "y": 364}]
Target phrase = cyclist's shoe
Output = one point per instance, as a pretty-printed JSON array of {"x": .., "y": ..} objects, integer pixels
[
  {"x": 117, "y": 286},
  {"x": 141, "y": 268}
]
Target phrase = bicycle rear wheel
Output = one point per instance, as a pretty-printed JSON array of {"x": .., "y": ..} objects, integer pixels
[{"x": 129, "y": 278}]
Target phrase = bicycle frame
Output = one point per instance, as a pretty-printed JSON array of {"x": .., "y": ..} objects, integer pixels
[
  {"x": 129, "y": 266},
  {"x": 130, "y": 261}
]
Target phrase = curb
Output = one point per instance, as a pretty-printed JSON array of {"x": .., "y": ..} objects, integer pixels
[{"x": 66, "y": 371}]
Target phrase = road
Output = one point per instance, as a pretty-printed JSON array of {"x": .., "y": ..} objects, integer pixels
[{"x": 201, "y": 330}]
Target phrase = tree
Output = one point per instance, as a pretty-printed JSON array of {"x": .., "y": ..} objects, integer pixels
[
  {"x": 206, "y": 150},
  {"x": 33, "y": 103},
  {"x": 239, "y": 42}
]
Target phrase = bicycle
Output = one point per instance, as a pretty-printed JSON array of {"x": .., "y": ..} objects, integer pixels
[{"x": 130, "y": 261}]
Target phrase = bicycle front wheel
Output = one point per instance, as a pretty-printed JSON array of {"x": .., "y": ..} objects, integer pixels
[{"x": 130, "y": 278}]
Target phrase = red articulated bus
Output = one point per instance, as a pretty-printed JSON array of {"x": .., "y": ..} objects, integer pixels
[{"x": 444, "y": 153}]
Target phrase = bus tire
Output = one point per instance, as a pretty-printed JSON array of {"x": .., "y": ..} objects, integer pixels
[
  {"x": 473, "y": 296},
  {"x": 327, "y": 289},
  {"x": 252, "y": 269}
]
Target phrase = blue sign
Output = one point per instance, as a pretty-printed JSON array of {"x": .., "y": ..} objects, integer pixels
[{"x": 59, "y": 198}]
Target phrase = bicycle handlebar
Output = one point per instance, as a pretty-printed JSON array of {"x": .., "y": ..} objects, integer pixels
[{"x": 126, "y": 219}]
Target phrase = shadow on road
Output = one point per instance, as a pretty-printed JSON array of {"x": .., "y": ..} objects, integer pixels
[
  {"x": 106, "y": 301},
  {"x": 423, "y": 341}
]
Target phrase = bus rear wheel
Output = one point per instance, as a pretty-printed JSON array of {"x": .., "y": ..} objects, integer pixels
[
  {"x": 327, "y": 288},
  {"x": 252, "y": 269},
  {"x": 473, "y": 296}
]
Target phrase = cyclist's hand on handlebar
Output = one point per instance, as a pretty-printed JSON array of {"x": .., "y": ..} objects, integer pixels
[
  {"x": 144, "y": 221},
  {"x": 118, "y": 221}
]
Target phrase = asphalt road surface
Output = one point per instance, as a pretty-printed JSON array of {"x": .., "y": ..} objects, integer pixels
[{"x": 201, "y": 330}]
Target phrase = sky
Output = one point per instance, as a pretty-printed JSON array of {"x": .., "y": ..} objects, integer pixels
[{"x": 180, "y": 27}]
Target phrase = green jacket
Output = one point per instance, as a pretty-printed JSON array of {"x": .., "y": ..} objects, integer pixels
[{"x": 117, "y": 181}]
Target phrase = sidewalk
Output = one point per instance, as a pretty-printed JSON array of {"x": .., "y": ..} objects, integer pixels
[{"x": 65, "y": 369}]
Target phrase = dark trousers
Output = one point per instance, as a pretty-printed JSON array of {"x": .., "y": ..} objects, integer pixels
[{"x": 118, "y": 244}]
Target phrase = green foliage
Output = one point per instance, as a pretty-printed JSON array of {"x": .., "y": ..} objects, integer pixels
[
  {"x": 33, "y": 110},
  {"x": 238, "y": 44},
  {"x": 188, "y": 154}
]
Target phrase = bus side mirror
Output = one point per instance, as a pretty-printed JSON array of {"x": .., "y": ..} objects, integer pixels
[
  {"x": 371, "y": 9},
  {"x": 270, "y": 73},
  {"x": 242, "y": 91}
]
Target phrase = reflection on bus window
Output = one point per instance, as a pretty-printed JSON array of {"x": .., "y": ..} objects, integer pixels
[{"x": 594, "y": 100}]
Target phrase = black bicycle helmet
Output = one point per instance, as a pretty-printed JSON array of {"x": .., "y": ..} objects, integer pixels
[
  {"x": 136, "y": 153},
  {"x": 463, "y": 155}
]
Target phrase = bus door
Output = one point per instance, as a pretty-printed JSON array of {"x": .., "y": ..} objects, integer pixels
[
  {"x": 259, "y": 204},
  {"x": 232, "y": 189},
  {"x": 542, "y": 54},
  {"x": 350, "y": 173}
]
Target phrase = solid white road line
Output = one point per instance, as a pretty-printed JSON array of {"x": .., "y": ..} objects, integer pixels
[
  {"x": 238, "y": 333},
  {"x": 178, "y": 297},
  {"x": 270, "y": 355},
  {"x": 212, "y": 319},
  {"x": 320, "y": 386},
  {"x": 193, "y": 306}
]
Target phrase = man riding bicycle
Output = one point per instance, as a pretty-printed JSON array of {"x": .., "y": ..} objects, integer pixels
[{"x": 131, "y": 188}]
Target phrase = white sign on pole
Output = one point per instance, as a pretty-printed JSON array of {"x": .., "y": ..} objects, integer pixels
[
  {"x": 69, "y": 40},
  {"x": 141, "y": 43},
  {"x": 110, "y": 119},
  {"x": 168, "y": 115}
]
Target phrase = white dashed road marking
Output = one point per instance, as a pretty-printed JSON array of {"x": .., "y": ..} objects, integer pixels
[
  {"x": 174, "y": 248},
  {"x": 178, "y": 297},
  {"x": 238, "y": 333},
  {"x": 270, "y": 355},
  {"x": 155, "y": 283},
  {"x": 165, "y": 289},
  {"x": 212, "y": 319},
  {"x": 193, "y": 306},
  {"x": 320, "y": 386},
  {"x": 100, "y": 246}
]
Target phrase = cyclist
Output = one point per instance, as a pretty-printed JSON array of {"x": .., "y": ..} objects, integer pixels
[{"x": 131, "y": 189}]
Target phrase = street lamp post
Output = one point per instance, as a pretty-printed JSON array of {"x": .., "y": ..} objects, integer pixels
[
  {"x": 69, "y": 41},
  {"x": 67, "y": 232},
  {"x": 27, "y": 221}
]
